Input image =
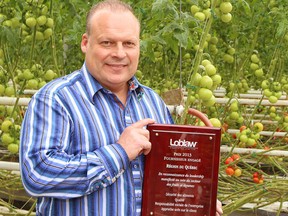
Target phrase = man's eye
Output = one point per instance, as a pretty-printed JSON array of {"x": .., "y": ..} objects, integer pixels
[
  {"x": 129, "y": 44},
  {"x": 106, "y": 43}
]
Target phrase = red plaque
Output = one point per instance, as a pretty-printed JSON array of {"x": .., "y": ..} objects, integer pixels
[{"x": 181, "y": 171}]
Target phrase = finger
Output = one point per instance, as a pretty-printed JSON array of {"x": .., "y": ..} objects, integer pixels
[
  {"x": 219, "y": 208},
  {"x": 142, "y": 123},
  {"x": 144, "y": 133},
  {"x": 147, "y": 148}
]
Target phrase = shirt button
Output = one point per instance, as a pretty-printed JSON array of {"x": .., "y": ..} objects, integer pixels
[{"x": 135, "y": 166}]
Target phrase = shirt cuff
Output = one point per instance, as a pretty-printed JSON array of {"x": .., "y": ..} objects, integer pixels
[{"x": 114, "y": 158}]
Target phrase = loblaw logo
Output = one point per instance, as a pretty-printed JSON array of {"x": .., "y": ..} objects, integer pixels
[{"x": 183, "y": 143}]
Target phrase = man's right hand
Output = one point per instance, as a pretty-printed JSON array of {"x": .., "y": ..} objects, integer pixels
[{"x": 135, "y": 139}]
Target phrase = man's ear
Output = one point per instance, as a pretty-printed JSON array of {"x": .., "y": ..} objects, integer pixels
[{"x": 84, "y": 42}]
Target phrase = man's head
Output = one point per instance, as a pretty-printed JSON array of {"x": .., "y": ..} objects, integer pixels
[
  {"x": 111, "y": 43},
  {"x": 112, "y": 5}
]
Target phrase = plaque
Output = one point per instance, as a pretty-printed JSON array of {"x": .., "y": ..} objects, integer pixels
[{"x": 181, "y": 171}]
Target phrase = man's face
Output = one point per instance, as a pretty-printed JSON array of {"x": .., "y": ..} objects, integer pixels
[{"x": 112, "y": 48}]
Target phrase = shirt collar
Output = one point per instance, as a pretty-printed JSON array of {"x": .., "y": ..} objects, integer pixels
[{"x": 93, "y": 86}]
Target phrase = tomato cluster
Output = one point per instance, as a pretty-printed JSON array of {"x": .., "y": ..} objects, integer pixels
[
  {"x": 10, "y": 129},
  {"x": 249, "y": 137},
  {"x": 232, "y": 169},
  {"x": 203, "y": 84},
  {"x": 258, "y": 178}
]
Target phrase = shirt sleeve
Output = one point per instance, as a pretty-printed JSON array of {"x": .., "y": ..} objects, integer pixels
[{"x": 47, "y": 169}]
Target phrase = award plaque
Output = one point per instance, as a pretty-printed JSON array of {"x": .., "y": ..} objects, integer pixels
[{"x": 181, "y": 171}]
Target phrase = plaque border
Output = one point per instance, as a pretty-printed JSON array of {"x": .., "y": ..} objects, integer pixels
[{"x": 216, "y": 132}]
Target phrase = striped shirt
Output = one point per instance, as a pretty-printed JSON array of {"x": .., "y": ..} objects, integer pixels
[{"x": 69, "y": 156}]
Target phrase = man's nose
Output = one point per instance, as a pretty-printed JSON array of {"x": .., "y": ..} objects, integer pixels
[{"x": 119, "y": 51}]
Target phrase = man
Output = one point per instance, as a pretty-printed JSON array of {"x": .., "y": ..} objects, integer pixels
[{"x": 83, "y": 137}]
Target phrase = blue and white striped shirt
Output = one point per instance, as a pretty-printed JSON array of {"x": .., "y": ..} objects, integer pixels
[{"x": 69, "y": 156}]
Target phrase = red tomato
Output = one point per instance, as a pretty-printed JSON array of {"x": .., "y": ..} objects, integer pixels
[
  {"x": 243, "y": 127},
  {"x": 256, "y": 180},
  {"x": 235, "y": 156},
  {"x": 229, "y": 171},
  {"x": 255, "y": 175},
  {"x": 229, "y": 160}
]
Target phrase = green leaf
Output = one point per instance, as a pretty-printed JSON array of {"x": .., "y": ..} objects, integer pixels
[
  {"x": 282, "y": 28},
  {"x": 246, "y": 7}
]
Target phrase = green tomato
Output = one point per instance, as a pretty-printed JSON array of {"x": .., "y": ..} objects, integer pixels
[
  {"x": 15, "y": 22},
  {"x": 31, "y": 22},
  {"x": 226, "y": 7},
  {"x": 9, "y": 91},
  {"x": 227, "y": 17},
  {"x": 210, "y": 69},
  {"x": 213, "y": 48},
  {"x": 265, "y": 84},
  {"x": 276, "y": 86},
  {"x": 32, "y": 84},
  {"x": 192, "y": 98},
  {"x": 259, "y": 73},
  {"x": 41, "y": 20},
  {"x": 234, "y": 115},
  {"x": 214, "y": 40},
  {"x": 205, "y": 62},
  {"x": 243, "y": 138},
  {"x": 255, "y": 59},
  {"x": 27, "y": 74},
  {"x": 200, "y": 16},
  {"x": 272, "y": 99},
  {"x": 36, "y": 67},
  {"x": 254, "y": 66},
  {"x": 39, "y": 35},
  {"x": 47, "y": 33},
  {"x": 234, "y": 107},
  {"x": 231, "y": 51},
  {"x": 6, "y": 125},
  {"x": 197, "y": 79},
  {"x": 194, "y": 9},
  {"x": 13, "y": 148},
  {"x": 210, "y": 102},
  {"x": 44, "y": 10},
  {"x": 250, "y": 142},
  {"x": 41, "y": 84},
  {"x": 2, "y": 17},
  {"x": 228, "y": 58},
  {"x": 204, "y": 94},
  {"x": 240, "y": 120},
  {"x": 7, "y": 138},
  {"x": 278, "y": 94},
  {"x": 258, "y": 127},
  {"x": 215, "y": 122},
  {"x": 187, "y": 56},
  {"x": 207, "y": 13},
  {"x": 50, "y": 22},
  {"x": 7, "y": 23},
  {"x": 206, "y": 82},
  {"x": 217, "y": 79},
  {"x": 272, "y": 109},
  {"x": 267, "y": 92}
]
